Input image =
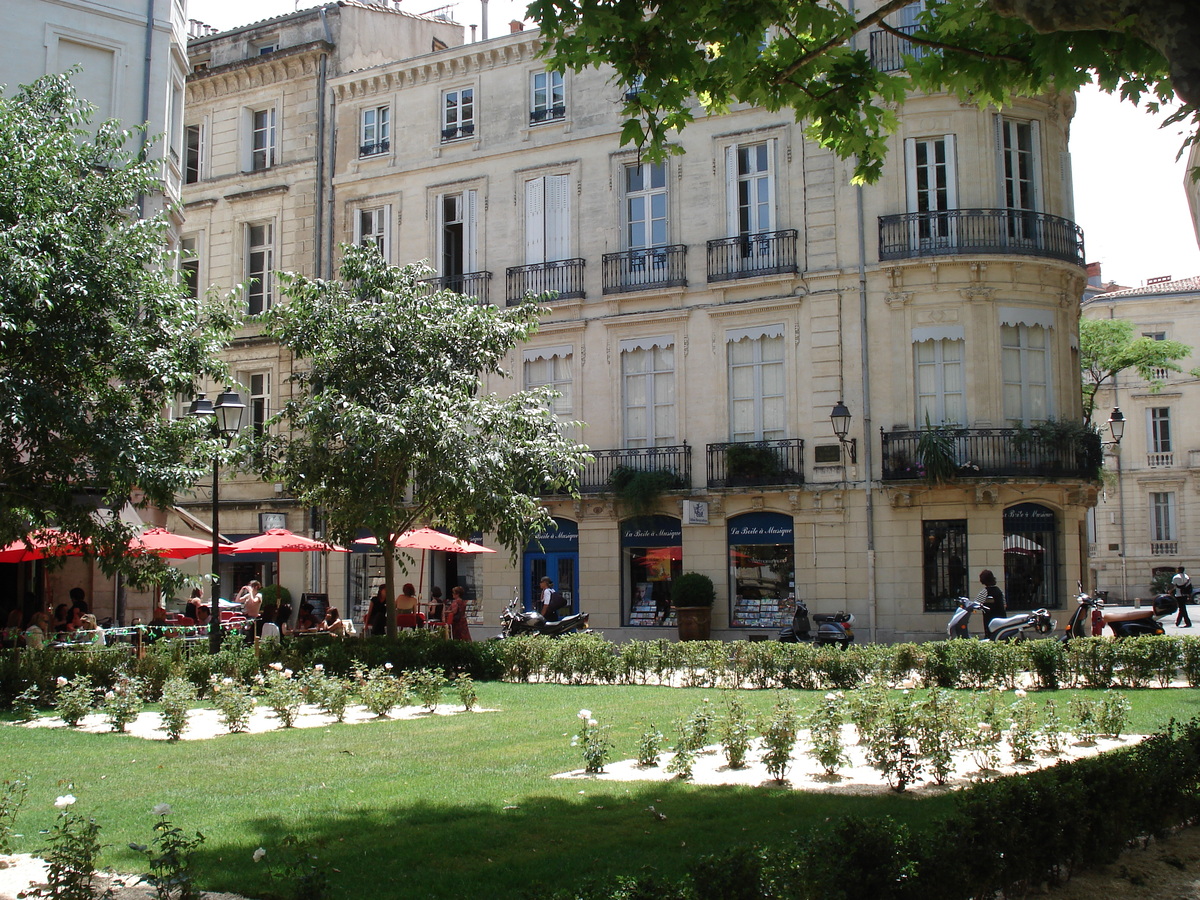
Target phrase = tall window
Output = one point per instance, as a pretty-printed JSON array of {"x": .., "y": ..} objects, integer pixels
[
  {"x": 940, "y": 393},
  {"x": 258, "y": 401},
  {"x": 193, "y": 153},
  {"x": 648, "y": 373},
  {"x": 456, "y": 233},
  {"x": 552, "y": 368},
  {"x": 547, "y": 219},
  {"x": 1019, "y": 163},
  {"x": 376, "y": 131},
  {"x": 548, "y": 99},
  {"x": 1162, "y": 516},
  {"x": 757, "y": 405},
  {"x": 189, "y": 266},
  {"x": 932, "y": 186},
  {"x": 944, "y": 543},
  {"x": 262, "y": 139},
  {"x": 259, "y": 264},
  {"x": 371, "y": 229},
  {"x": 645, "y": 206},
  {"x": 1160, "y": 435},
  {"x": 458, "y": 114},
  {"x": 1025, "y": 360},
  {"x": 751, "y": 174}
]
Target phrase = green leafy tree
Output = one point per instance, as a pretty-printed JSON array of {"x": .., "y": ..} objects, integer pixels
[
  {"x": 813, "y": 56},
  {"x": 391, "y": 427},
  {"x": 97, "y": 336},
  {"x": 1109, "y": 346}
]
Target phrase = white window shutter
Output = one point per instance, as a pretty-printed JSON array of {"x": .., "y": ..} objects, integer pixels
[
  {"x": 910, "y": 173},
  {"x": 773, "y": 183},
  {"x": 1068, "y": 184},
  {"x": 731, "y": 186},
  {"x": 439, "y": 248},
  {"x": 1001, "y": 162},
  {"x": 558, "y": 217},
  {"x": 470, "y": 241},
  {"x": 386, "y": 212},
  {"x": 1035, "y": 139},
  {"x": 535, "y": 220},
  {"x": 951, "y": 172}
]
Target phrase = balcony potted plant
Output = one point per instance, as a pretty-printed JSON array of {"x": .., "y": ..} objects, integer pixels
[
  {"x": 751, "y": 463},
  {"x": 692, "y": 597},
  {"x": 639, "y": 490},
  {"x": 935, "y": 453}
]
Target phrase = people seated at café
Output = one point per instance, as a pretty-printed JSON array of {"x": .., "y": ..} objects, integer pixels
[
  {"x": 11, "y": 635},
  {"x": 305, "y": 620},
  {"x": 75, "y": 622},
  {"x": 192, "y": 608},
  {"x": 283, "y": 618},
  {"x": 332, "y": 623},
  {"x": 61, "y": 621},
  {"x": 77, "y": 599},
  {"x": 37, "y": 634},
  {"x": 407, "y": 613},
  {"x": 202, "y": 615},
  {"x": 90, "y": 631},
  {"x": 265, "y": 625}
]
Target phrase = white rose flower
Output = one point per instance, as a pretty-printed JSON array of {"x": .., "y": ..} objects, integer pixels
[
  {"x": 320, "y": 667},
  {"x": 831, "y": 696},
  {"x": 388, "y": 666},
  {"x": 259, "y": 854},
  {"x": 985, "y": 727},
  {"x": 277, "y": 666},
  {"x": 227, "y": 680},
  {"x": 64, "y": 801},
  {"x": 1020, "y": 693},
  {"x": 585, "y": 714},
  {"x": 61, "y": 682},
  {"x": 162, "y": 809},
  {"x": 287, "y": 673},
  {"x": 108, "y": 695}
]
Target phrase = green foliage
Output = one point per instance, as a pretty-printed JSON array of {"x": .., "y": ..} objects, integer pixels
[
  {"x": 234, "y": 701},
  {"x": 170, "y": 857},
  {"x": 649, "y": 748},
  {"x": 276, "y": 594},
  {"x": 380, "y": 691},
  {"x": 941, "y": 729},
  {"x": 735, "y": 732},
  {"x": 71, "y": 857},
  {"x": 123, "y": 702},
  {"x": 639, "y": 490},
  {"x": 1108, "y": 347},
  {"x": 464, "y": 686},
  {"x": 98, "y": 337},
  {"x": 1078, "y": 443},
  {"x": 825, "y": 728},
  {"x": 779, "y": 739},
  {"x": 388, "y": 395},
  {"x": 300, "y": 871},
  {"x": 12, "y": 797},
  {"x": 75, "y": 699},
  {"x": 177, "y": 698},
  {"x": 427, "y": 686},
  {"x": 743, "y": 460},
  {"x": 1048, "y": 662},
  {"x": 813, "y": 59},
  {"x": 892, "y": 742},
  {"x": 936, "y": 453},
  {"x": 281, "y": 692},
  {"x": 1093, "y": 661},
  {"x": 693, "y": 589},
  {"x": 593, "y": 742}
]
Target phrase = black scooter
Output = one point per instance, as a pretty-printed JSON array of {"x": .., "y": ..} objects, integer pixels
[
  {"x": 833, "y": 629},
  {"x": 1123, "y": 622},
  {"x": 515, "y": 621}
]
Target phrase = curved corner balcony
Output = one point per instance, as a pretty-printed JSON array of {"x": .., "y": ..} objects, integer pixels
[{"x": 968, "y": 232}]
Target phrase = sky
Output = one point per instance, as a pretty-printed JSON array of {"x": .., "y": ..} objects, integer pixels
[{"x": 1129, "y": 196}]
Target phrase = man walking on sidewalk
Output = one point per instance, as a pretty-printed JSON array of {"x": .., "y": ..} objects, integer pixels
[{"x": 1183, "y": 593}]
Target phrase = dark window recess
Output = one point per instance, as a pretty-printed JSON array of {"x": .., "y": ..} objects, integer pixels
[
  {"x": 451, "y": 134},
  {"x": 375, "y": 148},
  {"x": 944, "y": 545}
]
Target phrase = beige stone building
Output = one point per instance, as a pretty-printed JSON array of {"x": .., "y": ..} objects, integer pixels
[
  {"x": 1147, "y": 522},
  {"x": 712, "y": 312},
  {"x": 132, "y": 59}
]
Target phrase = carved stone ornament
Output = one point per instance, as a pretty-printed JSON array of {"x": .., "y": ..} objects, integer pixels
[
  {"x": 897, "y": 299},
  {"x": 977, "y": 293},
  {"x": 986, "y": 495},
  {"x": 901, "y": 500}
]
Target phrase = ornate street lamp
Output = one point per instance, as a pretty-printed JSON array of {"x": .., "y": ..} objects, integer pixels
[
  {"x": 840, "y": 417},
  {"x": 1116, "y": 426},
  {"x": 226, "y": 419}
]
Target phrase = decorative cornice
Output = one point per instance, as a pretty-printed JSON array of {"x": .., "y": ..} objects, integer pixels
[
  {"x": 977, "y": 293},
  {"x": 427, "y": 70},
  {"x": 254, "y": 193},
  {"x": 257, "y": 72}
]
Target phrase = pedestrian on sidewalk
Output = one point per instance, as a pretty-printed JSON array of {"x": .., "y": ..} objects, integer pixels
[{"x": 1183, "y": 593}]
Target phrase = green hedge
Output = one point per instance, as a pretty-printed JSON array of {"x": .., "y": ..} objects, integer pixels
[
  {"x": 590, "y": 659},
  {"x": 1004, "y": 838}
]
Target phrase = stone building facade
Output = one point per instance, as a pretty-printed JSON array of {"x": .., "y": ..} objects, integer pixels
[
  {"x": 1145, "y": 523},
  {"x": 711, "y": 313}
]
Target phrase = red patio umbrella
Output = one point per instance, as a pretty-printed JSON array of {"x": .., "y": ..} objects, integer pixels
[
  {"x": 40, "y": 545},
  {"x": 169, "y": 545},
  {"x": 280, "y": 540},
  {"x": 429, "y": 539}
]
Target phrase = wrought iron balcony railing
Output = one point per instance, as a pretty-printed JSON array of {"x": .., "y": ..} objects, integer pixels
[
  {"x": 888, "y": 50},
  {"x": 959, "y": 232},
  {"x": 756, "y": 463},
  {"x": 547, "y": 114},
  {"x": 563, "y": 276},
  {"x": 469, "y": 284},
  {"x": 639, "y": 270},
  {"x": 676, "y": 461},
  {"x": 751, "y": 255},
  {"x": 375, "y": 148},
  {"x": 995, "y": 452},
  {"x": 457, "y": 132}
]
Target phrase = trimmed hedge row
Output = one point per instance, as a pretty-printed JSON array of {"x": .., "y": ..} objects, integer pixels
[
  {"x": 590, "y": 659},
  {"x": 1004, "y": 838}
]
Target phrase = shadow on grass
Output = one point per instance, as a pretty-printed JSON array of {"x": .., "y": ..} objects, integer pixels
[{"x": 541, "y": 842}]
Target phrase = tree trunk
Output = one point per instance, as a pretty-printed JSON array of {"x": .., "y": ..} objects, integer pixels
[{"x": 388, "y": 548}]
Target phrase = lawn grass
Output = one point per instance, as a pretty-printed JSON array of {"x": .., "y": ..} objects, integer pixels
[{"x": 444, "y": 807}]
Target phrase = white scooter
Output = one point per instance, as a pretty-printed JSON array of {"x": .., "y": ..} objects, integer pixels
[{"x": 1010, "y": 628}]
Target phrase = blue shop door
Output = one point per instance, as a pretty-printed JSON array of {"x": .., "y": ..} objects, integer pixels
[{"x": 562, "y": 569}]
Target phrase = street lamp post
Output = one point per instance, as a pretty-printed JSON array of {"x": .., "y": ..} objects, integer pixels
[
  {"x": 226, "y": 422},
  {"x": 840, "y": 417},
  {"x": 1116, "y": 428}
]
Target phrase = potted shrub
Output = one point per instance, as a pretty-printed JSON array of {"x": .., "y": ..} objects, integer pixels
[
  {"x": 692, "y": 597},
  {"x": 639, "y": 490},
  {"x": 752, "y": 463}
]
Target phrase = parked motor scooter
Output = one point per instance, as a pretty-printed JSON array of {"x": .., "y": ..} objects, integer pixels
[
  {"x": 1122, "y": 622},
  {"x": 1008, "y": 628},
  {"x": 833, "y": 629},
  {"x": 516, "y": 621}
]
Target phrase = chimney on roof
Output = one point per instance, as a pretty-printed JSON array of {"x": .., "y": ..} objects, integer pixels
[
  {"x": 483, "y": 31},
  {"x": 1093, "y": 274},
  {"x": 515, "y": 25}
]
